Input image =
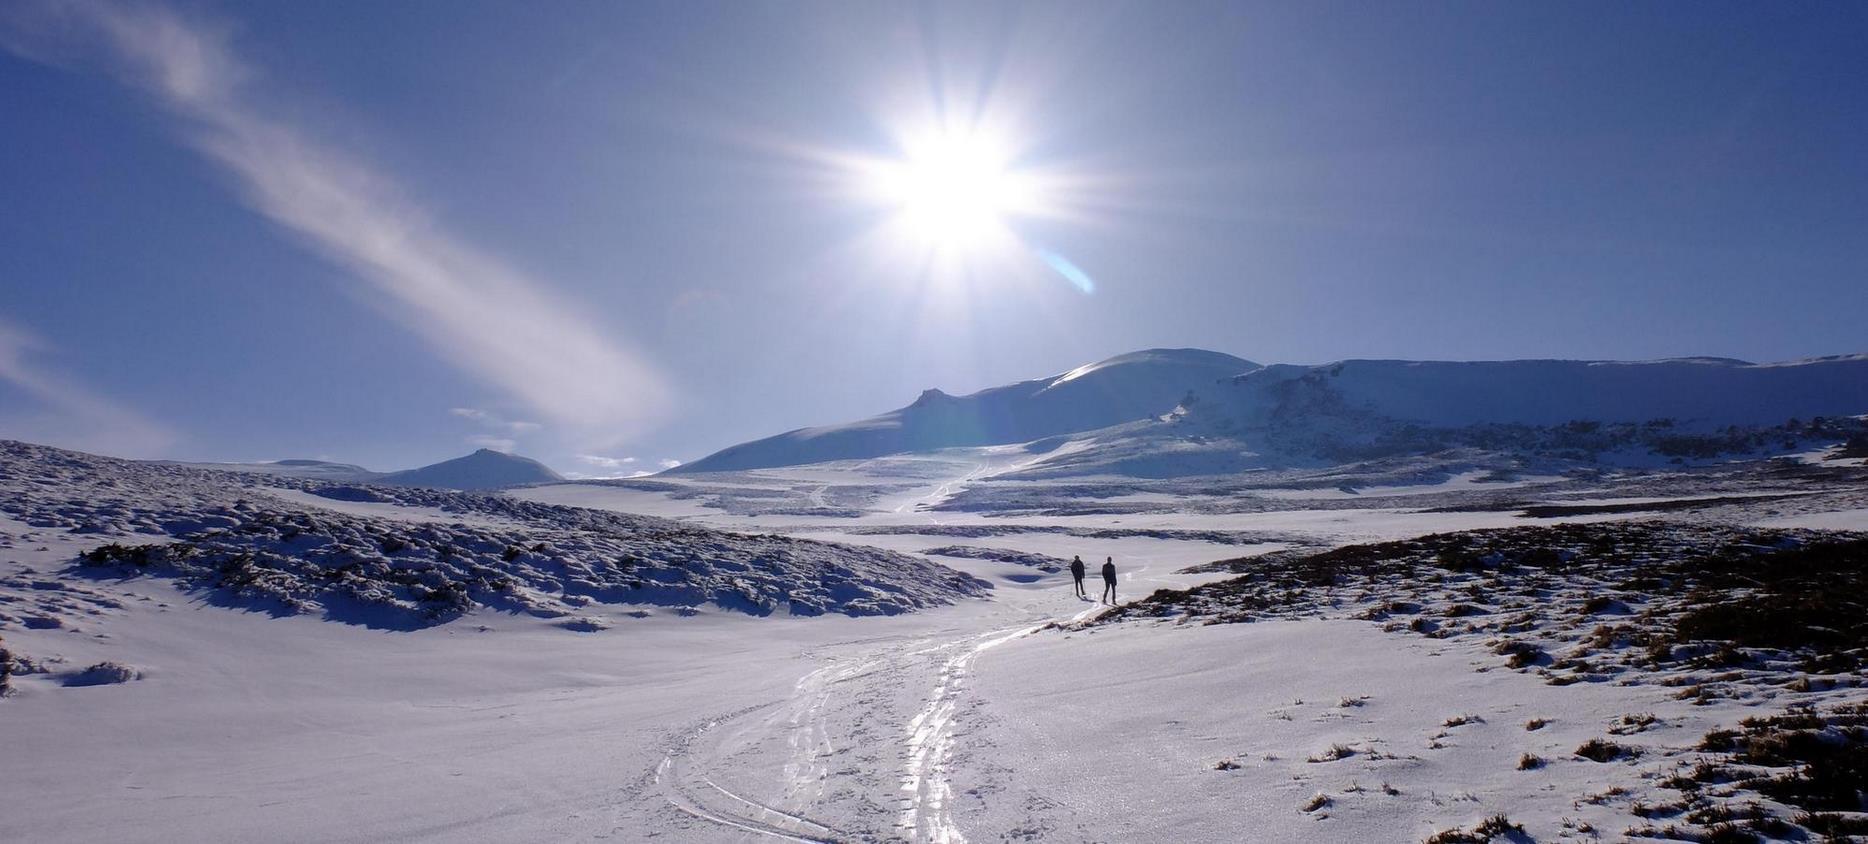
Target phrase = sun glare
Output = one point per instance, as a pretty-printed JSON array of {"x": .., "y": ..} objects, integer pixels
[
  {"x": 955, "y": 191},
  {"x": 961, "y": 206}
]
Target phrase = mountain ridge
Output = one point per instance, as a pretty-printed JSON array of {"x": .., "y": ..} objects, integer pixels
[
  {"x": 1123, "y": 388},
  {"x": 1336, "y": 411}
]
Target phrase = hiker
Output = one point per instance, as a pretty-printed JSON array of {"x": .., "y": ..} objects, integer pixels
[
  {"x": 1076, "y": 573},
  {"x": 1109, "y": 581}
]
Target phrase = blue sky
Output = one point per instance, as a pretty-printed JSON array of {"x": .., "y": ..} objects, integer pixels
[{"x": 386, "y": 233}]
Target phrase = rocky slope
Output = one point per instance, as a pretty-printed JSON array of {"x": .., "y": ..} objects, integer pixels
[{"x": 408, "y": 557}]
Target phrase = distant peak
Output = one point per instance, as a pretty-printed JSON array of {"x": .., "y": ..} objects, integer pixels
[
  {"x": 483, "y": 469},
  {"x": 929, "y": 396}
]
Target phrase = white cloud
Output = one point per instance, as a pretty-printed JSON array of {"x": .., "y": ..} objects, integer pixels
[
  {"x": 73, "y": 415},
  {"x": 472, "y": 308},
  {"x": 602, "y": 462},
  {"x": 494, "y": 421},
  {"x": 614, "y": 467},
  {"x": 670, "y": 463},
  {"x": 472, "y": 413},
  {"x": 582, "y": 476},
  {"x": 500, "y": 434}
]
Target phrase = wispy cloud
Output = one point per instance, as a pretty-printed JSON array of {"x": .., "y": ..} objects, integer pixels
[
  {"x": 602, "y": 462},
  {"x": 499, "y": 434},
  {"x": 608, "y": 467},
  {"x": 670, "y": 463},
  {"x": 474, "y": 309},
  {"x": 605, "y": 476},
  {"x": 73, "y": 415},
  {"x": 494, "y": 420}
]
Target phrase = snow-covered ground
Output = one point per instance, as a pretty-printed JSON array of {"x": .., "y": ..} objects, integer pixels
[
  {"x": 962, "y": 720},
  {"x": 1096, "y": 736}
]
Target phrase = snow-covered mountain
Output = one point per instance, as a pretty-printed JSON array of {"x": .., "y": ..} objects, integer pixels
[
  {"x": 483, "y": 469},
  {"x": 1121, "y": 389},
  {"x": 1361, "y": 409},
  {"x": 1698, "y": 392},
  {"x": 1183, "y": 412}
]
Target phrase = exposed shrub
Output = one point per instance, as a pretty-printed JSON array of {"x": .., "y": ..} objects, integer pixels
[
  {"x": 102, "y": 674},
  {"x": 1333, "y": 753},
  {"x": 1600, "y": 750},
  {"x": 1521, "y": 654},
  {"x": 1496, "y": 826}
]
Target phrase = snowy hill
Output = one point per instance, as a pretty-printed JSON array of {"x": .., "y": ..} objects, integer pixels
[
  {"x": 296, "y": 468},
  {"x": 483, "y": 469},
  {"x": 1700, "y": 392},
  {"x": 1121, "y": 389},
  {"x": 406, "y": 557},
  {"x": 1691, "y": 408}
]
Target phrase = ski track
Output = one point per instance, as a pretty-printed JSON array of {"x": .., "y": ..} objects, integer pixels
[
  {"x": 683, "y": 779},
  {"x": 942, "y": 492},
  {"x": 927, "y": 790},
  {"x": 927, "y": 811}
]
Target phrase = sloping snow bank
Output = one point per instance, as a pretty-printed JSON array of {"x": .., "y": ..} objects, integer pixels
[{"x": 218, "y": 534}]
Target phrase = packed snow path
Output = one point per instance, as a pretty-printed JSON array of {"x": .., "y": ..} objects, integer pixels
[
  {"x": 863, "y": 748},
  {"x": 859, "y": 682},
  {"x": 927, "y": 779}
]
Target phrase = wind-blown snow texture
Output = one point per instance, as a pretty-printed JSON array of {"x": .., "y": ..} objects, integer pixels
[
  {"x": 1121, "y": 389},
  {"x": 228, "y": 536}
]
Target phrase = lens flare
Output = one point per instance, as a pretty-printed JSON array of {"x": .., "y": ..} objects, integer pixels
[{"x": 1070, "y": 271}]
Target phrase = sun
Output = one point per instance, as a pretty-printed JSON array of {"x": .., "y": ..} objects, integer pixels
[{"x": 954, "y": 190}]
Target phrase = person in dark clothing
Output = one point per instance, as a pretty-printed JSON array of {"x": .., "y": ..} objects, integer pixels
[
  {"x": 1109, "y": 581},
  {"x": 1076, "y": 573}
]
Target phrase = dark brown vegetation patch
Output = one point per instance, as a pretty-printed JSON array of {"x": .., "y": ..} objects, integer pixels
[
  {"x": 1812, "y": 760},
  {"x": 1702, "y": 594}
]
